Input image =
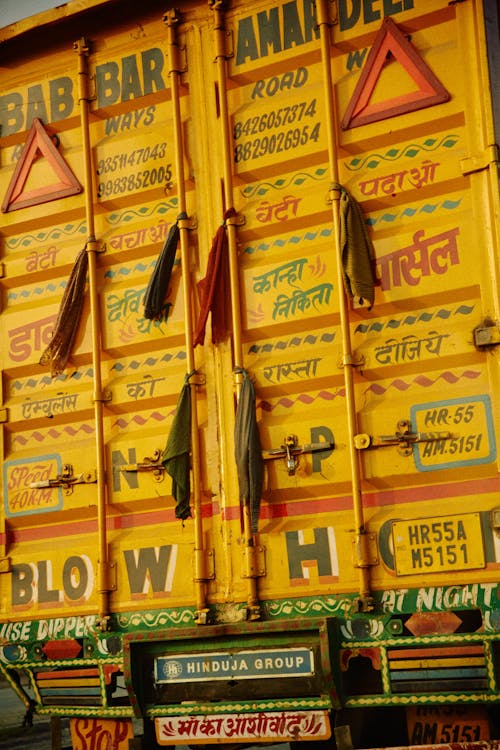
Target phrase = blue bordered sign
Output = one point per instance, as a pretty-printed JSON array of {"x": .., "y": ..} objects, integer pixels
[
  {"x": 469, "y": 421},
  {"x": 243, "y": 665}
]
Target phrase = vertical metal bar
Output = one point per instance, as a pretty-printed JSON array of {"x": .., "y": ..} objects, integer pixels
[
  {"x": 361, "y": 539},
  {"x": 171, "y": 19},
  {"x": 92, "y": 246},
  {"x": 220, "y": 44}
]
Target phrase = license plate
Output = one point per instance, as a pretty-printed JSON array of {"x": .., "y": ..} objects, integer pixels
[
  {"x": 431, "y": 725},
  {"x": 436, "y": 544},
  {"x": 470, "y": 424}
]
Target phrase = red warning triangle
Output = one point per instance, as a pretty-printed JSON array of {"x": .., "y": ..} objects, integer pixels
[
  {"x": 429, "y": 91},
  {"x": 39, "y": 143}
]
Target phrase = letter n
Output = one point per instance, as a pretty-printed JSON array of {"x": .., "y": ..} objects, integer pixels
[{"x": 321, "y": 554}]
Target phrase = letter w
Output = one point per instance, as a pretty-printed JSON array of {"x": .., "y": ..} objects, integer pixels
[
  {"x": 151, "y": 567},
  {"x": 356, "y": 58}
]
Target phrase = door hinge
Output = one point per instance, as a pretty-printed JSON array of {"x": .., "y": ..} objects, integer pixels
[
  {"x": 479, "y": 161},
  {"x": 253, "y": 562},
  {"x": 403, "y": 438}
]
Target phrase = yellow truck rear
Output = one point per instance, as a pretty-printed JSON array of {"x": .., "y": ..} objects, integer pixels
[{"x": 250, "y": 371}]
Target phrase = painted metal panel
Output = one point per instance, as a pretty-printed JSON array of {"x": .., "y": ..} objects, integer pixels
[{"x": 426, "y": 182}]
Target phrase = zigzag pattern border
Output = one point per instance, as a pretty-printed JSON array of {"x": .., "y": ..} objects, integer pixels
[
  {"x": 410, "y": 320},
  {"x": 399, "y": 384},
  {"x": 34, "y": 384},
  {"x": 296, "y": 341}
]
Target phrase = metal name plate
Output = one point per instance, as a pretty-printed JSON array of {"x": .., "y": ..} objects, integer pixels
[{"x": 243, "y": 665}]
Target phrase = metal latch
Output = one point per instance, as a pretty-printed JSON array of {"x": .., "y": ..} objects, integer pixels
[
  {"x": 290, "y": 450},
  {"x": 149, "y": 463},
  {"x": 403, "y": 438},
  {"x": 66, "y": 479}
]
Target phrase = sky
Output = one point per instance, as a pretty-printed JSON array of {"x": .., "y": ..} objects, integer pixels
[{"x": 15, "y": 10}]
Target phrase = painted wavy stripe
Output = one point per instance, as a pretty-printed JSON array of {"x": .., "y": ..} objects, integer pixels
[
  {"x": 411, "y": 150},
  {"x": 410, "y": 320},
  {"x": 302, "y": 398},
  {"x": 155, "y": 619},
  {"x": 31, "y": 384},
  {"x": 148, "y": 362},
  {"x": 281, "y": 184},
  {"x": 127, "y": 270},
  {"x": 308, "y": 606},
  {"x": 309, "y": 340},
  {"x": 295, "y": 239},
  {"x": 55, "y": 434},
  {"x": 138, "y": 268},
  {"x": 277, "y": 704},
  {"x": 423, "y": 381},
  {"x": 138, "y": 419},
  {"x": 426, "y": 208},
  {"x": 55, "y": 233},
  {"x": 143, "y": 212},
  {"x": 37, "y": 291},
  {"x": 399, "y": 384}
]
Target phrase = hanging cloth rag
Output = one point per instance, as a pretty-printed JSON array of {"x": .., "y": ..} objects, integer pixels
[
  {"x": 176, "y": 456},
  {"x": 70, "y": 310},
  {"x": 248, "y": 451},
  {"x": 154, "y": 297},
  {"x": 213, "y": 288},
  {"x": 357, "y": 253}
]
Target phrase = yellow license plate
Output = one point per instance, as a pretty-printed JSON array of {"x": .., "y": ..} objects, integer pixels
[
  {"x": 431, "y": 725},
  {"x": 437, "y": 544}
]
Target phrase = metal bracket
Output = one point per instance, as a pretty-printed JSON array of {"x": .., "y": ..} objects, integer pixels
[
  {"x": 235, "y": 221},
  {"x": 253, "y": 562},
  {"x": 189, "y": 224},
  {"x": 66, "y": 479},
  {"x": 149, "y": 463},
  {"x": 403, "y": 438},
  {"x": 351, "y": 361},
  {"x": 487, "y": 335},
  {"x": 291, "y": 449}
]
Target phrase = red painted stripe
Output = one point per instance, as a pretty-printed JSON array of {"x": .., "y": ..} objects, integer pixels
[
  {"x": 309, "y": 507},
  {"x": 418, "y": 653},
  {"x": 67, "y": 673}
]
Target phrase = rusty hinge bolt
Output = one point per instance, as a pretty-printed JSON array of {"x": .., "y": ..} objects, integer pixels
[{"x": 149, "y": 463}]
